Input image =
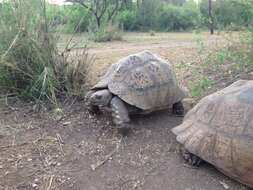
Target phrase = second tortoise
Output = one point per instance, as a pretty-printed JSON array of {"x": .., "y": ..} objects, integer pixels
[{"x": 219, "y": 130}]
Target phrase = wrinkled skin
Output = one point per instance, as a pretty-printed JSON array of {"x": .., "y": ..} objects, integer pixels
[{"x": 100, "y": 98}]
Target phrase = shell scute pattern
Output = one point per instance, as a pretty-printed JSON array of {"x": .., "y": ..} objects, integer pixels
[
  {"x": 232, "y": 118},
  {"x": 141, "y": 80},
  {"x": 155, "y": 70},
  {"x": 219, "y": 129},
  {"x": 144, "y": 80}
]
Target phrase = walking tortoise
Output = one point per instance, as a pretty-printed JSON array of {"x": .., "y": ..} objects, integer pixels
[{"x": 139, "y": 83}]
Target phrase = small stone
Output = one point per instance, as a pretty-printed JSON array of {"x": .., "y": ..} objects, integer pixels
[
  {"x": 58, "y": 164},
  {"x": 66, "y": 123},
  {"x": 29, "y": 159},
  {"x": 34, "y": 185},
  {"x": 1, "y": 167},
  {"x": 224, "y": 185},
  {"x": 53, "y": 163}
]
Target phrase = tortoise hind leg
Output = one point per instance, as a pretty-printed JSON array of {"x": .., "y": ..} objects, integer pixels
[
  {"x": 120, "y": 115},
  {"x": 191, "y": 159},
  {"x": 178, "y": 109}
]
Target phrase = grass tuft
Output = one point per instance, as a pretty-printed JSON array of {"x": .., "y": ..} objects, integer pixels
[{"x": 30, "y": 65}]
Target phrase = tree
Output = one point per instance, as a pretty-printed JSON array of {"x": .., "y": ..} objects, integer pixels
[
  {"x": 210, "y": 16},
  {"x": 175, "y": 2},
  {"x": 101, "y": 9},
  {"x": 207, "y": 7}
]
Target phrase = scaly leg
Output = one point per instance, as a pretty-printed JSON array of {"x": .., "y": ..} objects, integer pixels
[
  {"x": 191, "y": 159},
  {"x": 120, "y": 115},
  {"x": 91, "y": 108}
]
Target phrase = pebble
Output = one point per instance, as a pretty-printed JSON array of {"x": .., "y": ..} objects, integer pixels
[{"x": 34, "y": 185}]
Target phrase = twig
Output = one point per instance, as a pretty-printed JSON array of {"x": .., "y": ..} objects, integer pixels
[
  {"x": 6, "y": 103},
  {"x": 60, "y": 142},
  {"x": 12, "y": 44},
  {"x": 71, "y": 38},
  {"x": 12, "y": 146},
  {"x": 50, "y": 182},
  {"x": 14, "y": 140},
  {"x": 107, "y": 157}
]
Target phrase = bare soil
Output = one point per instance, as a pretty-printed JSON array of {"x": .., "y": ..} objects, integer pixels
[{"x": 69, "y": 149}]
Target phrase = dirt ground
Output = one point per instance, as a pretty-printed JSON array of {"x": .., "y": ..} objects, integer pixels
[{"x": 69, "y": 149}]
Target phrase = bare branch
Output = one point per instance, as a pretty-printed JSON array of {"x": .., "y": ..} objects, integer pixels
[
  {"x": 100, "y": 8},
  {"x": 112, "y": 13}
]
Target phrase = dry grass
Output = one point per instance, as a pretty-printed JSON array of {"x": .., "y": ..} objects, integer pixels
[
  {"x": 181, "y": 49},
  {"x": 188, "y": 53}
]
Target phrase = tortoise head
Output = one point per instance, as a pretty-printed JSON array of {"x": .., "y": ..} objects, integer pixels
[{"x": 100, "y": 97}]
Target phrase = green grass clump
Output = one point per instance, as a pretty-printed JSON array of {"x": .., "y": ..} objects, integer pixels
[
  {"x": 198, "y": 87},
  {"x": 30, "y": 65},
  {"x": 27, "y": 51}
]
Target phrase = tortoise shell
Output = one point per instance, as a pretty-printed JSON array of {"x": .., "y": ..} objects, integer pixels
[
  {"x": 219, "y": 129},
  {"x": 143, "y": 80}
]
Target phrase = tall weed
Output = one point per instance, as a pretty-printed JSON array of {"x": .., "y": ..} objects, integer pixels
[{"x": 30, "y": 65}]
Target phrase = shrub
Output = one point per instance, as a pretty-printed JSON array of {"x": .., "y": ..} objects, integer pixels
[
  {"x": 198, "y": 87},
  {"x": 66, "y": 18},
  {"x": 128, "y": 19},
  {"x": 229, "y": 14},
  {"x": 30, "y": 65},
  {"x": 175, "y": 18},
  {"x": 106, "y": 33}
]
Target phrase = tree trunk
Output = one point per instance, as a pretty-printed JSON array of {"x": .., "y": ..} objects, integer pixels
[
  {"x": 98, "y": 20},
  {"x": 210, "y": 17}
]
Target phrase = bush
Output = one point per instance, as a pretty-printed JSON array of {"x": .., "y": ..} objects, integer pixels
[
  {"x": 27, "y": 51},
  {"x": 66, "y": 18},
  {"x": 128, "y": 19},
  {"x": 198, "y": 87},
  {"x": 30, "y": 65},
  {"x": 106, "y": 33},
  {"x": 229, "y": 14},
  {"x": 175, "y": 18}
]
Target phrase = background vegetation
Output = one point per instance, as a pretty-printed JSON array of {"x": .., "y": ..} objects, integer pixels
[
  {"x": 158, "y": 15},
  {"x": 32, "y": 67},
  {"x": 30, "y": 64}
]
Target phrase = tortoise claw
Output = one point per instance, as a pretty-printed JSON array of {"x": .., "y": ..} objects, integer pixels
[
  {"x": 123, "y": 130},
  {"x": 191, "y": 159}
]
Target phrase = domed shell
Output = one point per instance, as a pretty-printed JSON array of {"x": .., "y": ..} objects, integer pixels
[
  {"x": 219, "y": 129},
  {"x": 143, "y": 80}
]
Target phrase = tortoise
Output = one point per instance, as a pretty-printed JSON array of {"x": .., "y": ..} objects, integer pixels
[
  {"x": 219, "y": 130},
  {"x": 137, "y": 84}
]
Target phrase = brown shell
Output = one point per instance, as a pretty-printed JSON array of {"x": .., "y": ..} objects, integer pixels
[
  {"x": 143, "y": 80},
  {"x": 219, "y": 129}
]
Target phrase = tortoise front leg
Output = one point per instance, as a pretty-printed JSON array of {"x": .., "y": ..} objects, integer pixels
[
  {"x": 120, "y": 115},
  {"x": 191, "y": 159},
  {"x": 91, "y": 108}
]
